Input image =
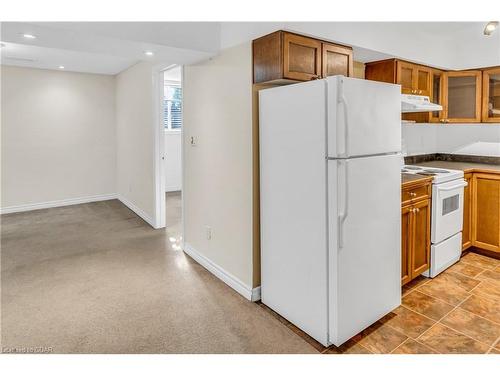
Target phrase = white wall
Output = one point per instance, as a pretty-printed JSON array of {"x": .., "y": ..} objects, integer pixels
[
  {"x": 134, "y": 133},
  {"x": 58, "y": 136},
  {"x": 449, "y": 45},
  {"x": 173, "y": 162},
  {"x": 472, "y": 139},
  {"x": 218, "y": 170}
]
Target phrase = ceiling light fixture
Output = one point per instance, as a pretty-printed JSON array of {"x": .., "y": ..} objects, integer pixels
[
  {"x": 29, "y": 36},
  {"x": 490, "y": 27},
  {"x": 61, "y": 66},
  {"x": 148, "y": 53}
]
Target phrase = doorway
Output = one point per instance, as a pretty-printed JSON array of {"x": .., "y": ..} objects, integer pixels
[{"x": 171, "y": 124}]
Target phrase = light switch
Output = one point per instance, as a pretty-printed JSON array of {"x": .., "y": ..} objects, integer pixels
[{"x": 193, "y": 141}]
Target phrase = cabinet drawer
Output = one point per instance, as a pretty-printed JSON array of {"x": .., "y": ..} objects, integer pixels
[{"x": 415, "y": 194}]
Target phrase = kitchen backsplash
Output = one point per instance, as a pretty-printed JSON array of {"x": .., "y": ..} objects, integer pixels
[{"x": 464, "y": 139}]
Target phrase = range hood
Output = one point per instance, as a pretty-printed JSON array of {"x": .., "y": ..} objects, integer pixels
[{"x": 418, "y": 103}]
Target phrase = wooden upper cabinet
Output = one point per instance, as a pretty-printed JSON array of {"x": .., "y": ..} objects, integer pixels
[
  {"x": 301, "y": 57},
  {"x": 462, "y": 96},
  {"x": 336, "y": 60},
  {"x": 405, "y": 76},
  {"x": 491, "y": 95},
  {"x": 414, "y": 79},
  {"x": 486, "y": 211},
  {"x": 287, "y": 56}
]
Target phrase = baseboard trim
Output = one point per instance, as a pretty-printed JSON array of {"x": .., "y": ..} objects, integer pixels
[
  {"x": 58, "y": 203},
  {"x": 251, "y": 294},
  {"x": 138, "y": 211},
  {"x": 255, "y": 294}
]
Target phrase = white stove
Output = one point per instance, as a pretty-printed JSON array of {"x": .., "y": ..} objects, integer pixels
[
  {"x": 439, "y": 175},
  {"x": 446, "y": 215}
]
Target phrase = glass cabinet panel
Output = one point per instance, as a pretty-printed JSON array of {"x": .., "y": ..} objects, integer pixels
[{"x": 463, "y": 94}]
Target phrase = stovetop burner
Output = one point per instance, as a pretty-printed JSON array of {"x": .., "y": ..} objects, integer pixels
[{"x": 439, "y": 175}]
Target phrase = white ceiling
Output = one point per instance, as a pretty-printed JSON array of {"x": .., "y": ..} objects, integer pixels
[{"x": 110, "y": 47}]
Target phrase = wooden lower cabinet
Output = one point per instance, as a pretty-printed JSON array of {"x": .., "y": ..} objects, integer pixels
[
  {"x": 416, "y": 230},
  {"x": 467, "y": 226},
  {"x": 406, "y": 230},
  {"x": 486, "y": 211},
  {"x": 421, "y": 252}
]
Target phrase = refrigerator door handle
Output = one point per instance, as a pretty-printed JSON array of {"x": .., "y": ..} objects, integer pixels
[
  {"x": 345, "y": 204},
  {"x": 342, "y": 100}
]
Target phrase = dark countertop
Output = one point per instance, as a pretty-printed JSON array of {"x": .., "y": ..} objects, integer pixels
[
  {"x": 410, "y": 179},
  {"x": 464, "y": 166}
]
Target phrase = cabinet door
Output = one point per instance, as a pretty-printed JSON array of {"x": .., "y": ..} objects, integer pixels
[
  {"x": 405, "y": 76},
  {"x": 436, "y": 94},
  {"x": 301, "y": 57},
  {"x": 406, "y": 241},
  {"x": 422, "y": 82},
  {"x": 491, "y": 95},
  {"x": 486, "y": 211},
  {"x": 421, "y": 242},
  {"x": 337, "y": 60},
  {"x": 467, "y": 228},
  {"x": 463, "y": 96}
]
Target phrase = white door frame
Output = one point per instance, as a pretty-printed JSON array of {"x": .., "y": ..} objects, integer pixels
[{"x": 159, "y": 147}]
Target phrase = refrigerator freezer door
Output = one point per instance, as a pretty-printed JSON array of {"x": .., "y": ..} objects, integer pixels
[
  {"x": 293, "y": 205},
  {"x": 364, "y": 117},
  {"x": 364, "y": 242}
]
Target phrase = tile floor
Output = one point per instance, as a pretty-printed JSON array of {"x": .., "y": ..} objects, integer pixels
[{"x": 457, "y": 312}]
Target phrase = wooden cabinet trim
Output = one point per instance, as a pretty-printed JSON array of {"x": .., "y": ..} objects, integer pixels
[{"x": 467, "y": 217}]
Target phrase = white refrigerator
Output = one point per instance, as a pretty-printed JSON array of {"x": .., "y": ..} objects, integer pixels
[{"x": 330, "y": 204}]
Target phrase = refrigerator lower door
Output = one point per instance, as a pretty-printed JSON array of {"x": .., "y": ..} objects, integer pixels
[
  {"x": 364, "y": 242},
  {"x": 364, "y": 117}
]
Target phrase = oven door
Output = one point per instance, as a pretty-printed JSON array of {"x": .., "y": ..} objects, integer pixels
[{"x": 447, "y": 209}]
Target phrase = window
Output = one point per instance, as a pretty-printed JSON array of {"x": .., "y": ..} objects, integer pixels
[{"x": 172, "y": 106}]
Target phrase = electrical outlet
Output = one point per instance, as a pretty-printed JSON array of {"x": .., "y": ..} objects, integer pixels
[{"x": 208, "y": 232}]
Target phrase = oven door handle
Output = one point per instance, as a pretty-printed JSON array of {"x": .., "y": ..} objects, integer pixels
[{"x": 461, "y": 185}]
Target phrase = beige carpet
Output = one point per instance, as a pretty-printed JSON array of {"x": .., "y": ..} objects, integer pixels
[{"x": 94, "y": 278}]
